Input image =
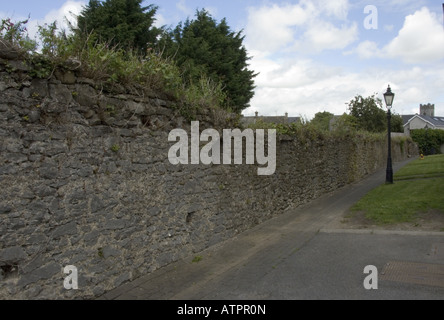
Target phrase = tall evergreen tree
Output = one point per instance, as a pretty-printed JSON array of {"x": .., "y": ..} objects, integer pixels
[
  {"x": 123, "y": 23},
  {"x": 203, "y": 46}
]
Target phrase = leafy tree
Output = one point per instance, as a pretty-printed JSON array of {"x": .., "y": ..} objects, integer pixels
[
  {"x": 122, "y": 23},
  {"x": 205, "y": 47},
  {"x": 368, "y": 113},
  {"x": 344, "y": 124},
  {"x": 322, "y": 120},
  {"x": 397, "y": 124}
]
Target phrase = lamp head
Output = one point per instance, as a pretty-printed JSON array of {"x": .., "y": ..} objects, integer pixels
[{"x": 389, "y": 96}]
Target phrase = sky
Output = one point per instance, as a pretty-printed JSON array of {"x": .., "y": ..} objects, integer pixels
[{"x": 312, "y": 55}]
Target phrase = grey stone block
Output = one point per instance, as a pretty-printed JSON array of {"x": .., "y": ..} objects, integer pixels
[
  {"x": 48, "y": 171},
  {"x": 122, "y": 279},
  {"x": 39, "y": 88},
  {"x": 5, "y": 208},
  {"x": 18, "y": 65},
  {"x": 55, "y": 148},
  {"x": 96, "y": 204},
  {"x": 115, "y": 224},
  {"x": 154, "y": 211},
  {"x": 91, "y": 238},
  {"x": 61, "y": 94},
  {"x": 8, "y": 169},
  {"x": 44, "y": 191},
  {"x": 110, "y": 252},
  {"x": 48, "y": 271},
  {"x": 12, "y": 255},
  {"x": 68, "y": 229},
  {"x": 42, "y": 273},
  {"x": 37, "y": 239},
  {"x": 34, "y": 116}
]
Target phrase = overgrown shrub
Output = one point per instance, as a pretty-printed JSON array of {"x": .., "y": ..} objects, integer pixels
[
  {"x": 111, "y": 64},
  {"x": 16, "y": 34},
  {"x": 429, "y": 141}
]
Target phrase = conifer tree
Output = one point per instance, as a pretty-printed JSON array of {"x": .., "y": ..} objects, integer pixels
[
  {"x": 122, "y": 23},
  {"x": 204, "y": 46}
]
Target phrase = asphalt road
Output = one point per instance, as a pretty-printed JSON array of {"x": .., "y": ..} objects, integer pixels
[{"x": 297, "y": 257}]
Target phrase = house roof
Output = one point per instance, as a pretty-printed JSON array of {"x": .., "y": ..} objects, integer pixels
[
  {"x": 294, "y": 119},
  {"x": 406, "y": 118},
  {"x": 435, "y": 121}
]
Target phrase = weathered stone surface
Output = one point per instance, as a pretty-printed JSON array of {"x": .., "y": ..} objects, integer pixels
[
  {"x": 45, "y": 272},
  {"x": 4, "y": 208},
  {"x": 48, "y": 171},
  {"x": 65, "y": 230},
  {"x": 66, "y": 77},
  {"x": 110, "y": 252},
  {"x": 105, "y": 197},
  {"x": 18, "y": 65},
  {"x": 39, "y": 89},
  {"x": 85, "y": 95},
  {"x": 115, "y": 225},
  {"x": 60, "y": 94},
  {"x": 12, "y": 255},
  {"x": 34, "y": 116}
]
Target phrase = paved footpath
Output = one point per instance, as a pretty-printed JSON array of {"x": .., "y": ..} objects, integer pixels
[{"x": 296, "y": 256}]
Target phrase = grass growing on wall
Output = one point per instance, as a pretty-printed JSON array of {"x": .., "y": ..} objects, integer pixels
[
  {"x": 305, "y": 131},
  {"x": 109, "y": 65}
]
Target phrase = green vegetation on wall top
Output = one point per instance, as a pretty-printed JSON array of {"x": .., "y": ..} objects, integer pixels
[{"x": 116, "y": 41}]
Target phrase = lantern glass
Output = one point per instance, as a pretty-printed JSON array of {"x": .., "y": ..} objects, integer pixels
[{"x": 389, "y": 96}]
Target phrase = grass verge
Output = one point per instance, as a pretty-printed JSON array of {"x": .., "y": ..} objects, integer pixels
[
  {"x": 418, "y": 188},
  {"x": 431, "y": 166}
]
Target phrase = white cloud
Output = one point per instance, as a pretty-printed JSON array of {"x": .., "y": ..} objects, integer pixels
[
  {"x": 160, "y": 20},
  {"x": 67, "y": 12},
  {"x": 305, "y": 87},
  {"x": 325, "y": 36},
  {"x": 367, "y": 49},
  {"x": 421, "y": 39},
  {"x": 393, "y": 7},
  {"x": 270, "y": 28},
  {"x": 304, "y": 27},
  {"x": 182, "y": 7},
  {"x": 338, "y": 9}
]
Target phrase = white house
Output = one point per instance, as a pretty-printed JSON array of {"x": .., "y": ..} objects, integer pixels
[
  {"x": 426, "y": 119},
  {"x": 423, "y": 122}
]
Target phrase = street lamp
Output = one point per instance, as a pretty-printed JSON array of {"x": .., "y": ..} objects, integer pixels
[{"x": 389, "y": 96}]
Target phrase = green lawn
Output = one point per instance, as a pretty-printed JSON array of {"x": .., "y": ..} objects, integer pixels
[
  {"x": 431, "y": 166},
  {"x": 418, "y": 188}
]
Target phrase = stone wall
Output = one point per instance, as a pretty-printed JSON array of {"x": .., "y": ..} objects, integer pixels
[{"x": 86, "y": 182}]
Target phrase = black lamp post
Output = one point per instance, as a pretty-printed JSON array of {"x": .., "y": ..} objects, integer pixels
[{"x": 389, "y": 96}]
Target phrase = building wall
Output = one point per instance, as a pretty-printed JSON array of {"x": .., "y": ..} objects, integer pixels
[{"x": 417, "y": 123}]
